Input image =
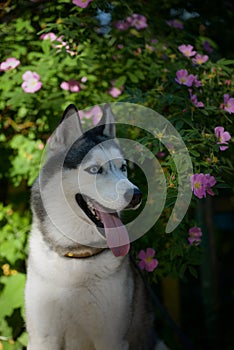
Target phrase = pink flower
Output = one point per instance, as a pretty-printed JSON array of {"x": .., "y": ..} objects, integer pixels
[
  {"x": 49, "y": 36},
  {"x": 154, "y": 41},
  {"x": 64, "y": 85},
  {"x": 160, "y": 154},
  {"x": 194, "y": 100},
  {"x": 94, "y": 113},
  {"x": 183, "y": 78},
  {"x": 175, "y": 23},
  {"x": 198, "y": 182},
  {"x": 120, "y": 46},
  {"x": 138, "y": 21},
  {"x": 207, "y": 47},
  {"x": 137, "y": 51},
  {"x": 147, "y": 262},
  {"x": 10, "y": 63},
  {"x": 84, "y": 79},
  {"x": 199, "y": 59},
  {"x": 115, "y": 92},
  {"x": 187, "y": 50},
  {"x": 52, "y": 37},
  {"x": 30, "y": 75},
  {"x": 222, "y": 136},
  {"x": 41, "y": 145},
  {"x": 201, "y": 184},
  {"x": 195, "y": 235},
  {"x": 196, "y": 82},
  {"x": 210, "y": 182},
  {"x": 228, "y": 103},
  {"x": 81, "y": 3},
  {"x": 196, "y": 103},
  {"x": 31, "y": 82},
  {"x": 122, "y": 25},
  {"x": 71, "y": 85},
  {"x": 228, "y": 82}
]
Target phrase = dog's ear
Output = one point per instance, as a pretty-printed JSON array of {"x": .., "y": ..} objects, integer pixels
[
  {"x": 72, "y": 122},
  {"x": 67, "y": 132},
  {"x": 107, "y": 122}
]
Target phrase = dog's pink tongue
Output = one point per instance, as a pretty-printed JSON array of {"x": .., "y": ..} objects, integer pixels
[{"x": 116, "y": 234}]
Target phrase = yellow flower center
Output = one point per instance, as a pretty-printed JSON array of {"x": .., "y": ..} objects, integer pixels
[
  {"x": 148, "y": 259},
  {"x": 197, "y": 185},
  {"x": 33, "y": 82}
]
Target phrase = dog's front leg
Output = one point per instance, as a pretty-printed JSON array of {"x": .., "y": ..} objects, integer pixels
[{"x": 44, "y": 315}]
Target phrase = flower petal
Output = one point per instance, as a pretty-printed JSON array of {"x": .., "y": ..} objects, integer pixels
[
  {"x": 142, "y": 254},
  {"x": 150, "y": 252}
]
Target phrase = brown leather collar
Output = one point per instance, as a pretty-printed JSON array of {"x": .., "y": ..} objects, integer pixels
[{"x": 84, "y": 252}]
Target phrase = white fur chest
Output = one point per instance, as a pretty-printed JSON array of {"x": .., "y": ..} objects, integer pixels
[{"x": 73, "y": 300}]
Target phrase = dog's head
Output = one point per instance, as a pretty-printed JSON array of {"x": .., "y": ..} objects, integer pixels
[{"x": 95, "y": 175}]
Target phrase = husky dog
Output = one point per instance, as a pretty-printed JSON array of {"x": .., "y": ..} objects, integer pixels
[{"x": 82, "y": 292}]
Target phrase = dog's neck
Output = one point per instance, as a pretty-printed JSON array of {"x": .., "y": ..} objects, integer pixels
[
  {"x": 83, "y": 251},
  {"x": 69, "y": 249}
]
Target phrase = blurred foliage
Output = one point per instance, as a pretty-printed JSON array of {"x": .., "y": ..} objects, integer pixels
[{"x": 141, "y": 64}]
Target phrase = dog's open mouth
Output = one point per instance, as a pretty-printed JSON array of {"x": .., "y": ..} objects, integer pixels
[{"x": 115, "y": 232}]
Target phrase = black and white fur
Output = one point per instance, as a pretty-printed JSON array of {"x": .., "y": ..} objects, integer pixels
[{"x": 74, "y": 302}]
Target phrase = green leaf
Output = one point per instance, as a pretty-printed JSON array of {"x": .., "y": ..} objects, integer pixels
[
  {"x": 140, "y": 74},
  {"x": 12, "y": 296},
  {"x": 120, "y": 81},
  {"x": 222, "y": 185},
  {"x": 133, "y": 77},
  {"x": 179, "y": 124},
  {"x": 46, "y": 45},
  {"x": 225, "y": 62},
  {"x": 23, "y": 339},
  {"x": 182, "y": 270},
  {"x": 193, "y": 271},
  {"x": 194, "y": 153}
]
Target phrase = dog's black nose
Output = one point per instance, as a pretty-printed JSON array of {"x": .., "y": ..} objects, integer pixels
[{"x": 133, "y": 197}]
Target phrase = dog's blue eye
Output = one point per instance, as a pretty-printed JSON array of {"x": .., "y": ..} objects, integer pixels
[{"x": 94, "y": 169}]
